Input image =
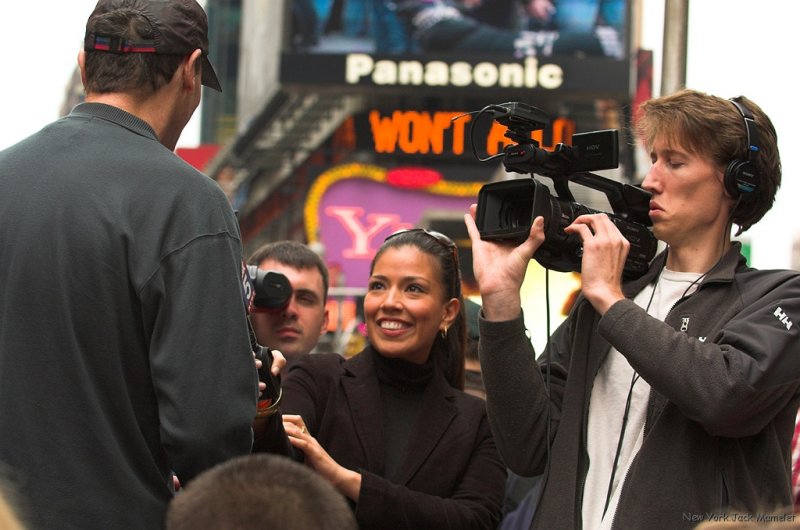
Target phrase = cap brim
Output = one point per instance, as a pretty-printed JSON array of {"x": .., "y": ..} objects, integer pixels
[{"x": 209, "y": 76}]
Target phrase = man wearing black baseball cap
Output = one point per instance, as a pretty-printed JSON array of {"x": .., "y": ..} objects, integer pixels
[
  {"x": 177, "y": 28},
  {"x": 124, "y": 350}
]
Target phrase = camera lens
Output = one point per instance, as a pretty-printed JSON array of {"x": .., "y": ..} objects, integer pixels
[{"x": 515, "y": 214}]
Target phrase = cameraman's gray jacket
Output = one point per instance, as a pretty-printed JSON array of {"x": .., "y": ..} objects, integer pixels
[{"x": 724, "y": 370}]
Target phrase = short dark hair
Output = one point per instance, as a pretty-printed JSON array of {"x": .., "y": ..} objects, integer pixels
[
  {"x": 128, "y": 72},
  {"x": 292, "y": 254},
  {"x": 258, "y": 491},
  {"x": 712, "y": 126}
]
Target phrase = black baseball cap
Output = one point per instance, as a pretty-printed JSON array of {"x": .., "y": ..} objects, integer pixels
[{"x": 179, "y": 28}]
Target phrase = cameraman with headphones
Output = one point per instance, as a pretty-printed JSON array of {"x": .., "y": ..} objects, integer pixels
[{"x": 669, "y": 399}]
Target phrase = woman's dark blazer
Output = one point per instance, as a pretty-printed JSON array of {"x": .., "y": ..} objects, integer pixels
[{"x": 452, "y": 476}]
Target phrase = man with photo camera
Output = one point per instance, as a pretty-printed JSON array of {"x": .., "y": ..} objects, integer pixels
[{"x": 295, "y": 328}]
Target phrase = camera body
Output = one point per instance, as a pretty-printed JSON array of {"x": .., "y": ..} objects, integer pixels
[
  {"x": 265, "y": 291},
  {"x": 270, "y": 290},
  {"x": 506, "y": 209}
]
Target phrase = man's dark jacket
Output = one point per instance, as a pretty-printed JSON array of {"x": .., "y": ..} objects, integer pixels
[
  {"x": 724, "y": 368},
  {"x": 124, "y": 353}
]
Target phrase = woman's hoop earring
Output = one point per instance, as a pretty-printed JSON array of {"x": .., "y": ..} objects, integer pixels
[{"x": 443, "y": 332}]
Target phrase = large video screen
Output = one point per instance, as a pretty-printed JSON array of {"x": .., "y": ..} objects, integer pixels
[{"x": 554, "y": 44}]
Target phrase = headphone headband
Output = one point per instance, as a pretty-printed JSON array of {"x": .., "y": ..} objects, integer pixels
[
  {"x": 749, "y": 125},
  {"x": 741, "y": 175}
]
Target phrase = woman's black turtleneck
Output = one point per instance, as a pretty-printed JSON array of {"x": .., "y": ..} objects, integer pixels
[{"x": 402, "y": 386}]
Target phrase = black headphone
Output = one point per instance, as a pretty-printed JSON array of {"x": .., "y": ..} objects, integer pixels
[{"x": 741, "y": 175}]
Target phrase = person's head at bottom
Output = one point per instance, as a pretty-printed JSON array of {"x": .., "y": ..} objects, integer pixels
[{"x": 259, "y": 491}]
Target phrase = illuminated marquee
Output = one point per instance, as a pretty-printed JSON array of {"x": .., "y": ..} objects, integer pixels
[{"x": 414, "y": 132}]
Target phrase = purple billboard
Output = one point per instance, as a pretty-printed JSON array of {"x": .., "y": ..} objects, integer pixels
[{"x": 352, "y": 208}]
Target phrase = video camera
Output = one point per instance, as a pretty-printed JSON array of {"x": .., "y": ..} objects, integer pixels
[{"x": 506, "y": 209}]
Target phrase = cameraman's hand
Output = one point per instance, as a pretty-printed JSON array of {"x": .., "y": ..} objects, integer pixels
[
  {"x": 605, "y": 250},
  {"x": 278, "y": 362},
  {"x": 261, "y": 384},
  {"x": 500, "y": 268}
]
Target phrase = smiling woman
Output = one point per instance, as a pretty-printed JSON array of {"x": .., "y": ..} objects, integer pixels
[
  {"x": 391, "y": 427},
  {"x": 414, "y": 298}
]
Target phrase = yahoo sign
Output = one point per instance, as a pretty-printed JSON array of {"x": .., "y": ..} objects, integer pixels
[{"x": 351, "y": 209}]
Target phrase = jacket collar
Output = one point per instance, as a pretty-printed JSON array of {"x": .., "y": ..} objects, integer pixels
[
  {"x": 723, "y": 271},
  {"x": 115, "y": 115},
  {"x": 728, "y": 264},
  {"x": 363, "y": 395}
]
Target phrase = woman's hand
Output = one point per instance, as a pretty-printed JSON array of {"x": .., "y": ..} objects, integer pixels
[
  {"x": 348, "y": 482},
  {"x": 500, "y": 268},
  {"x": 605, "y": 250}
]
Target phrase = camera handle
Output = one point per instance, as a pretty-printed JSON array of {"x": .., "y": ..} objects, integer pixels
[
  {"x": 272, "y": 394},
  {"x": 627, "y": 201}
]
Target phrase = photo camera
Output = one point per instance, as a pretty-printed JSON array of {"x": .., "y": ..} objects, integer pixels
[
  {"x": 506, "y": 209},
  {"x": 270, "y": 292},
  {"x": 272, "y": 289}
]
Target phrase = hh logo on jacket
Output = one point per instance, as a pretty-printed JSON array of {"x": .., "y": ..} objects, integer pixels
[{"x": 783, "y": 318}]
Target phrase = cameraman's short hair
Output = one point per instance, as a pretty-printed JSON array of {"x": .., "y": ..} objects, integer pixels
[
  {"x": 128, "y": 72},
  {"x": 258, "y": 491},
  {"x": 292, "y": 254},
  {"x": 712, "y": 126}
]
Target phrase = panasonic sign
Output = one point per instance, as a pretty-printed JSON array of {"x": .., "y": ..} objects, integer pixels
[{"x": 528, "y": 73}]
